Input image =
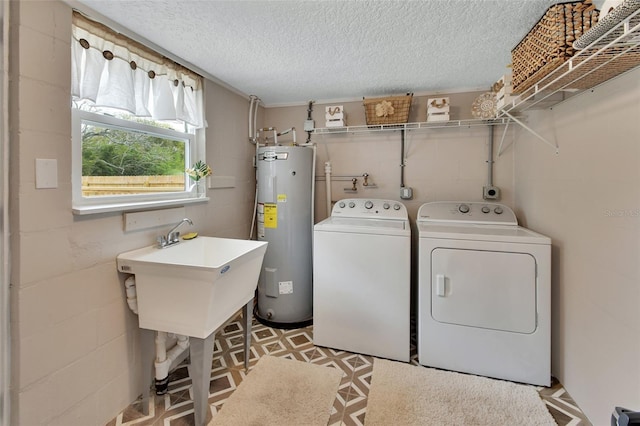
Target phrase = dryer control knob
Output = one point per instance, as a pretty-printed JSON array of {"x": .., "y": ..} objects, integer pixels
[
  {"x": 396, "y": 206},
  {"x": 368, "y": 204},
  {"x": 341, "y": 204},
  {"x": 497, "y": 210},
  {"x": 386, "y": 206},
  {"x": 463, "y": 208},
  {"x": 485, "y": 209},
  {"x": 352, "y": 204}
]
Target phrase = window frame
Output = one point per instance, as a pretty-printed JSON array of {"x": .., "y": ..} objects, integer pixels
[{"x": 93, "y": 205}]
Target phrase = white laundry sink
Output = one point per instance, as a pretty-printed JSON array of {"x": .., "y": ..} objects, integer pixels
[{"x": 193, "y": 287}]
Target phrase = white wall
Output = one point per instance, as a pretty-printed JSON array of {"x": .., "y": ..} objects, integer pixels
[
  {"x": 74, "y": 341},
  {"x": 587, "y": 199}
]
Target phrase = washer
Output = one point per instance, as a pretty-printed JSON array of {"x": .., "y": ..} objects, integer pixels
[
  {"x": 362, "y": 282},
  {"x": 484, "y": 287}
]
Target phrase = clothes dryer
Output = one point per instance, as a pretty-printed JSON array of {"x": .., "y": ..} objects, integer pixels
[
  {"x": 361, "y": 272},
  {"x": 484, "y": 287}
]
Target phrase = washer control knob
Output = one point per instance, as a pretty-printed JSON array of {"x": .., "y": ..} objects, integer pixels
[
  {"x": 341, "y": 204},
  {"x": 386, "y": 206},
  {"x": 485, "y": 209},
  {"x": 368, "y": 204},
  {"x": 396, "y": 206},
  {"x": 463, "y": 208},
  {"x": 497, "y": 210},
  {"x": 352, "y": 204}
]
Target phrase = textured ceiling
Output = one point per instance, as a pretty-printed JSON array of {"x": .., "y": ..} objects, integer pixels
[{"x": 290, "y": 52}]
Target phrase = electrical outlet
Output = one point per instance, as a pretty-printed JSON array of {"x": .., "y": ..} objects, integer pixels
[
  {"x": 406, "y": 193},
  {"x": 491, "y": 193}
]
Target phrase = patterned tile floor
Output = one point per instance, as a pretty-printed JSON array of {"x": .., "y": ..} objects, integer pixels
[{"x": 175, "y": 408}]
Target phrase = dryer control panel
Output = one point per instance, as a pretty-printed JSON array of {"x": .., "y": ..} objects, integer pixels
[
  {"x": 467, "y": 212},
  {"x": 370, "y": 208}
]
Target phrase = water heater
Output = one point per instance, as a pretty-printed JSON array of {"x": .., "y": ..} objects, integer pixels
[{"x": 284, "y": 220}]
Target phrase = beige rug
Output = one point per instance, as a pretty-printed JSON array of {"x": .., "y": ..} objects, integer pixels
[
  {"x": 279, "y": 391},
  {"x": 404, "y": 394}
]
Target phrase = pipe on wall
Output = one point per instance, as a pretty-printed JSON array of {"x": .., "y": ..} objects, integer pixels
[
  {"x": 327, "y": 174},
  {"x": 253, "y": 117},
  {"x": 490, "y": 159}
]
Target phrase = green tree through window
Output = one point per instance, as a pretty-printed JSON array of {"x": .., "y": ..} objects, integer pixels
[{"x": 115, "y": 152}]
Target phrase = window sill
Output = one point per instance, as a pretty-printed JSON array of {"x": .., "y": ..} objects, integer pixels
[{"x": 123, "y": 207}]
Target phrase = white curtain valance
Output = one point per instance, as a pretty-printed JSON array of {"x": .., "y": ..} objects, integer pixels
[{"x": 111, "y": 70}]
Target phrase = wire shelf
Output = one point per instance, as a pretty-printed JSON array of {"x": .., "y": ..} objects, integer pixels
[
  {"x": 615, "y": 52},
  {"x": 410, "y": 126}
]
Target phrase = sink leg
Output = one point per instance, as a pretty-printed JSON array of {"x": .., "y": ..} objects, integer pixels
[
  {"x": 147, "y": 356},
  {"x": 200, "y": 373},
  {"x": 247, "y": 313}
]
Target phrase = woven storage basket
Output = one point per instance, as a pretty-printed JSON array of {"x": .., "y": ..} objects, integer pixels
[
  {"x": 401, "y": 107},
  {"x": 550, "y": 42},
  {"x": 596, "y": 63},
  {"x": 603, "y": 65}
]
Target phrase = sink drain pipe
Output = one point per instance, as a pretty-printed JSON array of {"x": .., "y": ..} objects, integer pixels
[
  {"x": 132, "y": 298},
  {"x": 165, "y": 359}
]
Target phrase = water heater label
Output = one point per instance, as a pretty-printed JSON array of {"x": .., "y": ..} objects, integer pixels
[
  {"x": 285, "y": 287},
  {"x": 282, "y": 198},
  {"x": 269, "y": 155},
  {"x": 270, "y": 215}
]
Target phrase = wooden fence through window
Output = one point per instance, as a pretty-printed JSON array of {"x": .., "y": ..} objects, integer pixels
[{"x": 121, "y": 185}]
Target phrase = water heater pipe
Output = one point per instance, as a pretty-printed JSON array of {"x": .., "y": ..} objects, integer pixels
[
  {"x": 266, "y": 139},
  {"x": 252, "y": 99},
  {"x": 289, "y": 130},
  {"x": 253, "y": 116},
  {"x": 255, "y": 200},
  {"x": 327, "y": 174}
]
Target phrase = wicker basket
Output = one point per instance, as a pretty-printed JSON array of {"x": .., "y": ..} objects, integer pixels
[
  {"x": 550, "y": 42},
  {"x": 602, "y": 65},
  {"x": 398, "y": 114},
  {"x": 596, "y": 62}
]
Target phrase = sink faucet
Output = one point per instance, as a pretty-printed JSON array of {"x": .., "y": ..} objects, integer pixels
[{"x": 173, "y": 236}]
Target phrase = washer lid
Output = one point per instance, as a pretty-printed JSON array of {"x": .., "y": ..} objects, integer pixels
[
  {"x": 475, "y": 232},
  {"x": 359, "y": 225}
]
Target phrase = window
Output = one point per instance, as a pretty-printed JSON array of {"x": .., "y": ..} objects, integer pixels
[
  {"x": 118, "y": 161},
  {"x": 137, "y": 124}
]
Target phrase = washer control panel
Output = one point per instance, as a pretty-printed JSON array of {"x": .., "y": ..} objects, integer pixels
[
  {"x": 364, "y": 207},
  {"x": 467, "y": 212}
]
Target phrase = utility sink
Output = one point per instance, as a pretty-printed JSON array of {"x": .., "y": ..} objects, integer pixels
[{"x": 193, "y": 287}]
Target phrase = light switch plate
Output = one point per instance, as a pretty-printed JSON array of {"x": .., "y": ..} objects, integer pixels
[{"x": 46, "y": 173}]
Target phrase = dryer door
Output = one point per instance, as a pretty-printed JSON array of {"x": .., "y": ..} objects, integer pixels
[{"x": 485, "y": 289}]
